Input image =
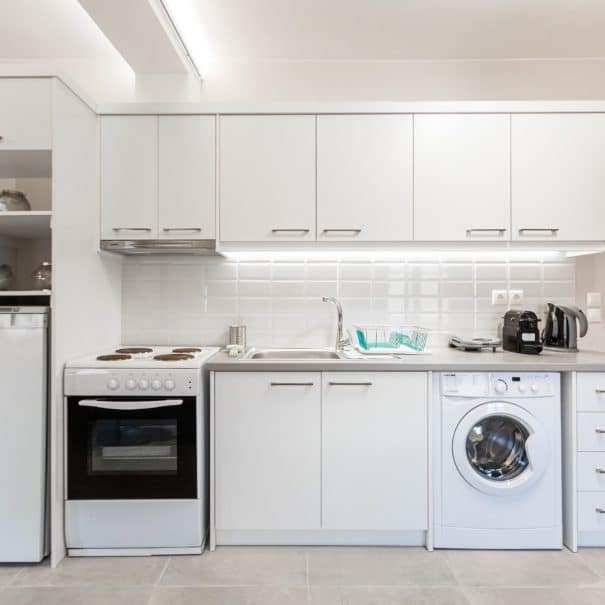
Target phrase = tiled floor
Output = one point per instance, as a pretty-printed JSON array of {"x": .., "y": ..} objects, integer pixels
[{"x": 316, "y": 576}]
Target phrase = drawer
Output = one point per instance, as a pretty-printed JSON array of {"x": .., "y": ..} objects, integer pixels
[
  {"x": 590, "y": 437},
  {"x": 589, "y": 516},
  {"x": 590, "y": 479},
  {"x": 590, "y": 399}
]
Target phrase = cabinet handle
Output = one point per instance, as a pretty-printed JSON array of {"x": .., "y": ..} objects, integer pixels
[
  {"x": 181, "y": 229},
  {"x": 479, "y": 230},
  {"x": 600, "y": 471},
  {"x": 290, "y": 230},
  {"x": 1, "y": 138},
  {"x": 292, "y": 384},
  {"x": 601, "y": 511},
  {"x": 600, "y": 391},
  {"x": 355, "y": 231},
  {"x": 131, "y": 229},
  {"x": 600, "y": 431},
  {"x": 350, "y": 384},
  {"x": 551, "y": 230}
]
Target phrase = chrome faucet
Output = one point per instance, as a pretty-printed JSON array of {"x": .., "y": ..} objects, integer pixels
[{"x": 341, "y": 341}]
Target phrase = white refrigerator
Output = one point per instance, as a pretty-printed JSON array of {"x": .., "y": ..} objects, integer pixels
[{"x": 23, "y": 433}]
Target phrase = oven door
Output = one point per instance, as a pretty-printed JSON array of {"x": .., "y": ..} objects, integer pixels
[{"x": 131, "y": 448}]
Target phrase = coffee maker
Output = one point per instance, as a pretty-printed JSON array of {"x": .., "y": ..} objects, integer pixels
[{"x": 561, "y": 330}]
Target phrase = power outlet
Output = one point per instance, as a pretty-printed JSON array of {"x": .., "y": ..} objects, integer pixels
[
  {"x": 499, "y": 297},
  {"x": 515, "y": 297}
]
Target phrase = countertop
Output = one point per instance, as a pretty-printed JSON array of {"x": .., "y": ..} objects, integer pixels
[{"x": 439, "y": 360}]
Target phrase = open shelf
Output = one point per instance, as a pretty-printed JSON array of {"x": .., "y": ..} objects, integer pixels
[{"x": 30, "y": 224}]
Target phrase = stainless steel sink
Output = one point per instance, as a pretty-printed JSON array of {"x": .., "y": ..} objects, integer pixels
[{"x": 291, "y": 354}]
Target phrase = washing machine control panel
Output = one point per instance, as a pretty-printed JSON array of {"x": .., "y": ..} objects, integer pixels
[{"x": 486, "y": 384}]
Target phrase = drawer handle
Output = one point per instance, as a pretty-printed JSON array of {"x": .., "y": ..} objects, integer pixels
[
  {"x": 551, "y": 230},
  {"x": 131, "y": 229},
  {"x": 341, "y": 231},
  {"x": 601, "y": 511},
  {"x": 478, "y": 230},
  {"x": 182, "y": 229},
  {"x": 350, "y": 384},
  {"x": 290, "y": 230},
  {"x": 600, "y": 431},
  {"x": 600, "y": 471},
  {"x": 292, "y": 384},
  {"x": 600, "y": 391}
]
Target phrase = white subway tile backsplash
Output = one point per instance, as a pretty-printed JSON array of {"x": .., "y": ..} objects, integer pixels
[{"x": 186, "y": 301}]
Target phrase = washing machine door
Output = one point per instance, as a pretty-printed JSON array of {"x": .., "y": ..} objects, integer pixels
[{"x": 500, "y": 448}]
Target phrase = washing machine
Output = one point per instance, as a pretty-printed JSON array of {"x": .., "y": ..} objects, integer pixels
[{"x": 497, "y": 474}]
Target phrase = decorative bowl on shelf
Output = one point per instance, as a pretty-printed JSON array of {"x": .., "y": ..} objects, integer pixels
[
  {"x": 42, "y": 276},
  {"x": 13, "y": 201},
  {"x": 6, "y": 277}
]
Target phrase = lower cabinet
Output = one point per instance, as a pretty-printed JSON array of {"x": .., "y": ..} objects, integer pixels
[
  {"x": 267, "y": 450},
  {"x": 310, "y": 457},
  {"x": 374, "y": 451}
]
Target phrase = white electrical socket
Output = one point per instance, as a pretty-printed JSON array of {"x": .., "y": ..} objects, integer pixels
[
  {"x": 515, "y": 297},
  {"x": 499, "y": 297}
]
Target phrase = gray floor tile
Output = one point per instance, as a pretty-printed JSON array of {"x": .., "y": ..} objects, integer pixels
[
  {"x": 537, "y": 596},
  {"x": 97, "y": 571},
  {"x": 519, "y": 568},
  {"x": 380, "y": 595},
  {"x": 594, "y": 558},
  {"x": 8, "y": 573},
  {"x": 74, "y": 596},
  {"x": 378, "y": 567},
  {"x": 230, "y": 595},
  {"x": 235, "y": 566}
]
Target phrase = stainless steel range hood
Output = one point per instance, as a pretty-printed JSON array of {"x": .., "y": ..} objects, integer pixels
[{"x": 202, "y": 247}]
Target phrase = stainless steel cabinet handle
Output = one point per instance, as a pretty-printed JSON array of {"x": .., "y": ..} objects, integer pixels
[
  {"x": 131, "y": 228},
  {"x": 600, "y": 431},
  {"x": 600, "y": 391},
  {"x": 478, "y": 230},
  {"x": 600, "y": 471},
  {"x": 341, "y": 230},
  {"x": 290, "y": 230},
  {"x": 292, "y": 384},
  {"x": 551, "y": 230},
  {"x": 350, "y": 384},
  {"x": 181, "y": 229},
  {"x": 601, "y": 511},
  {"x": 1, "y": 138}
]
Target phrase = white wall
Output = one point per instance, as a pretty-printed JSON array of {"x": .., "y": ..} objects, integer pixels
[
  {"x": 591, "y": 278},
  {"x": 86, "y": 286}
]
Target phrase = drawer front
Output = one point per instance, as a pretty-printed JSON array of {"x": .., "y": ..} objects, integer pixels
[
  {"x": 591, "y": 392},
  {"x": 591, "y": 471},
  {"x": 591, "y": 432},
  {"x": 590, "y": 517}
]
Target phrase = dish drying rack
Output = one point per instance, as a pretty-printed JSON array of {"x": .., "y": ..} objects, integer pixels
[{"x": 389, "y": 340}]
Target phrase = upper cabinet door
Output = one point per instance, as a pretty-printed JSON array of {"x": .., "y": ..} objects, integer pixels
[
  {"x": 25, "y": 113},
  {"x": 267, "y": 178},
  {"x": 461, "y": 177},
  {"x": 558, "y": 180},
  {"x": 129, "y": 177},
  {"x": 364, "y": 177},
  {"x": 186, "y": 177}
]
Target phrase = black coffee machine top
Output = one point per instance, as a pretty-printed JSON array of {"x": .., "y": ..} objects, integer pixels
[
  {"x": 520, "y": 332},
  {"x": 561, "y": 330}
]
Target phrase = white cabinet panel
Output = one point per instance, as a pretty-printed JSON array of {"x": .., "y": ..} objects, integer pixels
[
  {"x": 267, "y": 178},
  {"x": 186, "y": 177},
  {"x": 364, "y": 177},
  {"x": 461, "y": 177},
  {"x": 591, "y": 392},
  {"x": 591, "y": 432},
  {"x": 129, "y": 184},
  {"x": 591, "y": 512},
  {"x": 374, "y": 458},
  {"x": 591, "y": 471},
  {"x": 558, "y": 181},
  {"x": 25, "y": 113},
  {"x": 267, "y": 450}
]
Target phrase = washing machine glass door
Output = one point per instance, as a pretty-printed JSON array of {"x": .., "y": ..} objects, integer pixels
[{"x": 499, "y": 448}]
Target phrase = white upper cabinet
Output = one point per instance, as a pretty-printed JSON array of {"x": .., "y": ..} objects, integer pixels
[
  {"x": 129, "y": 183},
  {"x": 558, "y": 176},
  {"x": 364, "y": 177},
  {"x": 186, "y": 177},
  {"x": 267, "y": 178},
  {"x": 25, "y": 113},
  {"x": 461, "y": 177}
]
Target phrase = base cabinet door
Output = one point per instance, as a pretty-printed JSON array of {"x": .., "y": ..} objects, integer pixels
[
  {"x": 374, "y": 454},
  {"x": 267, "y": 450}
]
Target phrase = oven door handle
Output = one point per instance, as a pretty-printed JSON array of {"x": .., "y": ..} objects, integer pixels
[{"x": 129, "y": 405}]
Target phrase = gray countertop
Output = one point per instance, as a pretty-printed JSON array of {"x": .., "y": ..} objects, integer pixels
[{"x": 439, "y": 360}]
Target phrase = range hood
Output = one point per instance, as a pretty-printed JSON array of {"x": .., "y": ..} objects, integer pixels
[{"x": 201, "y": 247}]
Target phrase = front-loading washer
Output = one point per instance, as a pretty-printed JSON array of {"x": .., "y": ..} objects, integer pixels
[{"x": 497, "y": 475}]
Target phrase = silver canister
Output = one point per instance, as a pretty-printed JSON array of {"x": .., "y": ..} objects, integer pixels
[{"x": 237, "y": 335}]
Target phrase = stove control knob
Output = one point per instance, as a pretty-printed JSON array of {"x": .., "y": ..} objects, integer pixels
[
  {"x": 535, "y": 388},
  {"x": 522, "y": 388},
  {"x": 143, "y": 384},
  {"x": 169, "y": 384},
  {"x": 131, "y": 384},
  {"x": 113, "y": 384},
  {"x": 156, "y": 384},
  {"x": 500, "y": 386}
]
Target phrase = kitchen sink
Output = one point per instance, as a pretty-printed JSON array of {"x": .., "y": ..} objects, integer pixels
[{"x": 291, "y": 354}]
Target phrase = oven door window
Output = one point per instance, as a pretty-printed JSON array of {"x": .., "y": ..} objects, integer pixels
[{"x": 140, "y": 448}]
